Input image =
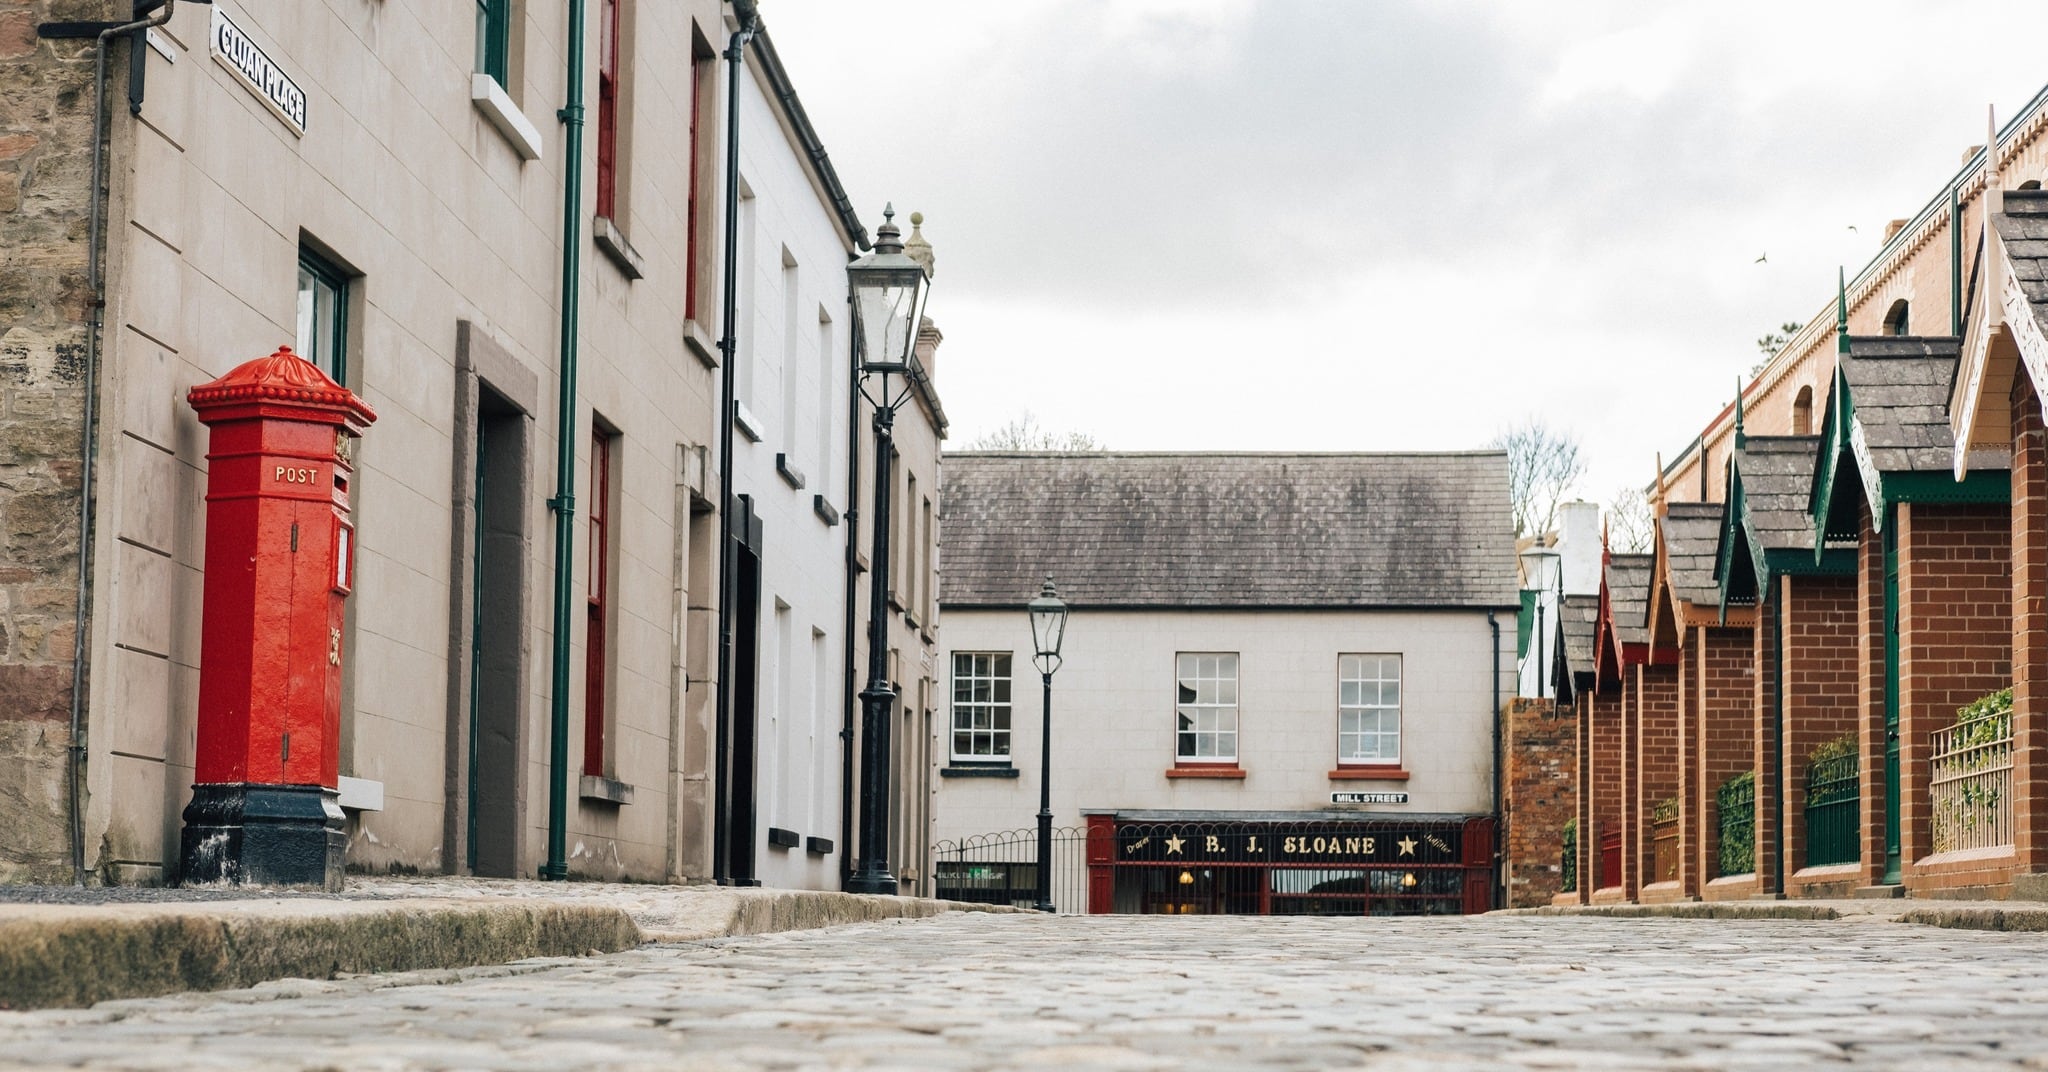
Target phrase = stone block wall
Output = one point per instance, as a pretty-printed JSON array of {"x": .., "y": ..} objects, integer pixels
[
  {"x": 1540, "y": 796},
  {"x": 46, "y": 125}
]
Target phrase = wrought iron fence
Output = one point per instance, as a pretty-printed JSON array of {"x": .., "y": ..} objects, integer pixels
[
  {"x": 1568, "y": 860},
  {"x": 1970, "y": 784},
  {"x": 1002, "y": 868},
  {"x": 1833, "y": 786},
  {"x": 1736, "y": 805}
]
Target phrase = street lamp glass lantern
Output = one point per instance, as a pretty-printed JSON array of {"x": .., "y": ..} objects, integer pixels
[
  {"x": 888, "y": 302},
  {"x": 1048, "y": 624}
]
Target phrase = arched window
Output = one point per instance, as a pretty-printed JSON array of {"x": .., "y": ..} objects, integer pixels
[
  {"x": 1895, "y": 318},
  {"x": 1802, "y": 412},
  {"x": 2030, "y": 184}
]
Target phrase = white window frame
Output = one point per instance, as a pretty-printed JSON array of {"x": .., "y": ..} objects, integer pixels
[
  {"x": 1205, "y": 707},
  {"x": 1365, "y": 703},
  {"x": 997, "y": 710}
]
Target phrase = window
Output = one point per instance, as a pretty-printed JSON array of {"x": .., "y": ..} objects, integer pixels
[
  {"x": 595, "y": 660},
  {"x": 1895, "y": 318},
  {"x": 493, "y": 37},
  {"x": 981, "y": 705},
  {"x": 694, "y": 266},
  {"x": 1368, "y": 709},
  {"x": 323, "y": 315},
  {"x": 608, "y": 109},
  {"x": 1206, "y": 706},
  {"x": 1802, "y": 412}
]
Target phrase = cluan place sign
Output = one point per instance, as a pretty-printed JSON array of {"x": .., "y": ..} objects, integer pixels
[{"x": 256, "y": 71}]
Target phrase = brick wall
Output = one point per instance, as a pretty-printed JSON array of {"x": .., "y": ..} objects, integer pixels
[
  {"x": 1605, "y": 778},
  {"x": 1955, "y": 645},
  {"x": 45, "y": 158},
  {"x": 1726, "y": 694},
  {"x": 1656, "y": 759},
  {"x": 1821, "y": 704},
  {"x": 2029, "y": 629},
  {"x": 1540, "y": 795}
]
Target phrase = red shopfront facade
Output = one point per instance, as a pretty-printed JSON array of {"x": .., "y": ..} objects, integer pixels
[{"x": 1313, "y": 863}]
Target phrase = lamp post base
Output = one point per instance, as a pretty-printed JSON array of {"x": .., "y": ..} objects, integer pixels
[{"x": 873, "y": 882}]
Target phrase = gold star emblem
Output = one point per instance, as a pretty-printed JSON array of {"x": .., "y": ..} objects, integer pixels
[
  {"x": 1173, "y": 845},
  {"x": 1407, "y": 846}
]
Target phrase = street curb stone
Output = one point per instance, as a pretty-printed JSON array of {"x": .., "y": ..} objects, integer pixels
[
  {"x": 1979, "y": 916},
  {"x": 68, "y": 956}
]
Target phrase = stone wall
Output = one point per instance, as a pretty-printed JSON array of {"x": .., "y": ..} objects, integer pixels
[
  {"x": 45, "y": 158},
  {"x": 1540, "y": 796}
]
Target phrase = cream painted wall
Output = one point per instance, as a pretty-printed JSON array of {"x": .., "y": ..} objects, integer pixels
[{"x": 1113, "y": 712}]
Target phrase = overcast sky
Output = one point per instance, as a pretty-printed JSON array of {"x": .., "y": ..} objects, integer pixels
[{"x": 1225, "y": 224}]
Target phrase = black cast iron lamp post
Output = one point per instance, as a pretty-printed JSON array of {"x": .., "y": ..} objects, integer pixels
[
  {"x": 1048, "y": 628},
  {"x": 888, "y": 307}
]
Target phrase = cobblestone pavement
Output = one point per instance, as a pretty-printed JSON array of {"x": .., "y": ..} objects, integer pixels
[{"x": 1129, "y": 993}]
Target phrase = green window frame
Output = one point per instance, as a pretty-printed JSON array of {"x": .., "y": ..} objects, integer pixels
[
  {"x": 323, "y": 315},
  {"x": 493, "y": 33}
]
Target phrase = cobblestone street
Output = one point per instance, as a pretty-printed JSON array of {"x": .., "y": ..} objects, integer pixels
[{"x": 982, "y": 992}]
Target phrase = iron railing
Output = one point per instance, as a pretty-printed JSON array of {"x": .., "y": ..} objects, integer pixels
[
  {"x": 1969, "y": 787},
  {"x": 1833, "y": 788},
  {"x": 1002, "y": 868},
  {"x": 1568, "y": 860},
  {"x": 1736, "y": 804}
]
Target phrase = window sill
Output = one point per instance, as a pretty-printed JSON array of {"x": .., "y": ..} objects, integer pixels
[
  {"x": 491, "y": 99},
  {"x": 783, "y": 839},
  {"x": 790, "y": 474},
  {"x": 746, "y": 422},
  {"x": 698, "y": 341},
  {"x": 976, "y": 770},
  {"x": 1232, "y": 772},
  {"x": 825, "y": 511},
  {"x": 612, "y": 243},
  {"x": 605, "y": 790},
  {"x": 1369, "y": 774},
  {"x": 818, "y": 846}
]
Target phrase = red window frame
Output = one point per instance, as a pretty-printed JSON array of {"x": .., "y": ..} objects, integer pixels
[
  {"x": 595, "y": 656},
  {"x": 608, "y": 108}
]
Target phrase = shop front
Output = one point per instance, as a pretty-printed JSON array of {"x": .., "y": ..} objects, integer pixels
[{"x": 1312, "y": 863}]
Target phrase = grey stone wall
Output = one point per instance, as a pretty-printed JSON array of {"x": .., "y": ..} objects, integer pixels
[{"x": 45, "y": 160}]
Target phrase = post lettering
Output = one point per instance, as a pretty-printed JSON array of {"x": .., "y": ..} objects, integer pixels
[{"x": 1212, "y": 844}]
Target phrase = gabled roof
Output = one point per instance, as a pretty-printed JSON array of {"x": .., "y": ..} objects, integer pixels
[
  {"x": 2008, "y": 322},
  {"x": 1627, "y": 585},
  {"x": 1887, "y": 420},
  {"x": 1688, "y": 535},
  {"x": 1766, "y": 530},
  {"x": 1229, "y": 530},
  {"x": 1572, "y": 665}
]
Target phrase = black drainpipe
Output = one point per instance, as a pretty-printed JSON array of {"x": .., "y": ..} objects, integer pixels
[
  {"x": 1500, "y": 832},
  {"x": 728, "y": 348}
]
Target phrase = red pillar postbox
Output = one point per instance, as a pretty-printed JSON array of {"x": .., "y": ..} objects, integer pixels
[{"x": 279, "y": 566}]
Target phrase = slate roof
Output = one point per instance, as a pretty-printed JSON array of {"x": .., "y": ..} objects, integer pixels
[
  {"x": 1580, "y": 618},
  {"x": 1899, "y": 385},
  {"x": 1229, "y": 530},
  {"x": 1692, "y": 536},
  {"x": 1628, "y": 593},
  {"x": 2024, "y": 227},
  {"x": 1777, "y": 479}
]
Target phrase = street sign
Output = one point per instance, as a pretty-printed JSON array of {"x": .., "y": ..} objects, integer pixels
[{"x": 1368, "y": 798}]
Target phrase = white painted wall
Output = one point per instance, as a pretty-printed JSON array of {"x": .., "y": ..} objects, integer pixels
[
  {"x": 796, "y": 397},
  {"x": 1113, "y": 712}
]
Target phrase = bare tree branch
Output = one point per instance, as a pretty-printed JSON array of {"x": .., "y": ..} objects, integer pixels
[
  {"x": 1543, "y": 464},
  {"x": 1629, "y": 525},
  {"x": 1025, "y": 434}
]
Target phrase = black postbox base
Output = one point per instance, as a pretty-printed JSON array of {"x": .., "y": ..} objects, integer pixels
[{"x": 263, "y": 835}]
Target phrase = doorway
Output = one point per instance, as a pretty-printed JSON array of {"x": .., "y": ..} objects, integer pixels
[
  {"x": 496, "y": 663},
  {"x": 740, "y": 784}
]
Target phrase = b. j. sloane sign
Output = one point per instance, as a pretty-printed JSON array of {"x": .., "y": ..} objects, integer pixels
[{"x": 254, "y": 68}]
